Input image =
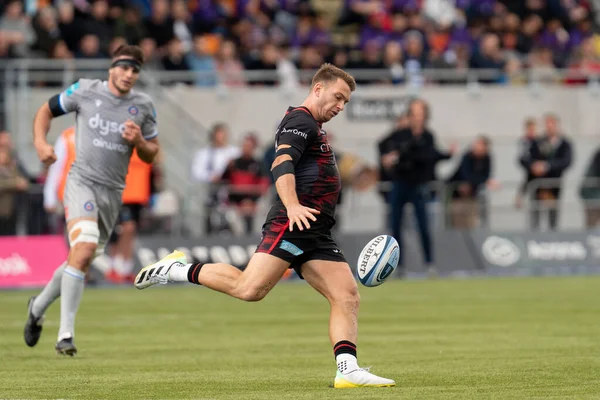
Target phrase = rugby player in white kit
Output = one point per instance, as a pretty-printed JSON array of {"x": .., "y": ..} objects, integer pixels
[{"x": 111, "y": 120}]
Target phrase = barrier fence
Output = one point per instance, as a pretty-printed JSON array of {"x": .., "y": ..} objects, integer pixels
[
  {"x": 29, "y": 261},
  {"x": 189, "y": 214}
]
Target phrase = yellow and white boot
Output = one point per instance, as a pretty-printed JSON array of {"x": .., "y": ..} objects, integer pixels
[
  {"x": 160, "y": 272},
  {"x": 360, "y": 377}
]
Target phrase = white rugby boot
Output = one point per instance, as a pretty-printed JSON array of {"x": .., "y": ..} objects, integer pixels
[
  {"x": 159, "y": 271},
  {"x": 360, "y": 377}
]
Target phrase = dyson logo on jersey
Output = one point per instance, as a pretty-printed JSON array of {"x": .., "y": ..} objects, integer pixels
[
  {"x": 121, "y": 148},
  {"x": 105, "y": 126}
]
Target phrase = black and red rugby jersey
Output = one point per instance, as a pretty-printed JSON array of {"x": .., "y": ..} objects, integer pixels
[{"x": 318, "y": 182}]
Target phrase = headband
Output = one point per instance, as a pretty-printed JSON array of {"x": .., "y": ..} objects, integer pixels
[{"x": 130, "y": 62}]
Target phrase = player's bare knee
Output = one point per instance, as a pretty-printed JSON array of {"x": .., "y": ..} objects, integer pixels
[
  {"x": 252, "y": 295},
  {"x": 347, "y": 298},
  {"x": 81, "y": 255}
]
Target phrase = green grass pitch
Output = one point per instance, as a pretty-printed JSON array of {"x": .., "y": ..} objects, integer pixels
[{"x": 461, "y": 339}]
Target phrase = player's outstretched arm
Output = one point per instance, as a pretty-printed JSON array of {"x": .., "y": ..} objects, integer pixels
[
  {"x": 285, "y": 182},
  {"x": 41, "y": 126}
]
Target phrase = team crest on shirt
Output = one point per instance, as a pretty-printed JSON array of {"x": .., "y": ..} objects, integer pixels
[
  {"x": 133, "y": 110},
  {"x": 88, "y": 206}
]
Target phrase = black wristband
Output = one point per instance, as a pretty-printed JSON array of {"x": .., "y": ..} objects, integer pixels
[{"x": 286, "y": 167}]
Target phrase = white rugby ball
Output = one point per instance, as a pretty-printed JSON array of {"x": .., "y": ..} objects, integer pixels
[{"x": 377, "y": 260}]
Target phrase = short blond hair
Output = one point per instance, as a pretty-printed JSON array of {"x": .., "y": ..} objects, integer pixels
[{"x": 330, "y": 73}]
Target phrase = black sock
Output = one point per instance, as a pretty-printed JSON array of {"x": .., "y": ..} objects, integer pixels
[
  {"x": 344, "y": 347},
  {"x": 193, "y": 273}
]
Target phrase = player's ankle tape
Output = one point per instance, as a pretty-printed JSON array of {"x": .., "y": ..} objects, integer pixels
[{"x": 193, "y": 273}]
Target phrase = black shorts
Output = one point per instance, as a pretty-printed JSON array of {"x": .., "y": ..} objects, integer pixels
[
  {"x": 298, "y": 247},
  {"x": 129, "y": 212}
]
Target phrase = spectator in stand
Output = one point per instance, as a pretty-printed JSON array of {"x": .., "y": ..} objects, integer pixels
[
  {"x": 202, "y": 63},
  {"x": 60, "y": 51},
  {"x": 209, "y": 164},
  {"x": 541, "y": 66},
  {"x": 89, "y": 47},
  {"x": 525, "y": 146},
  {"x": 489, "y": 56},
  {"x": 247, "y": 180},
  {"x": 229, "y": 66},
  {"x": 11, "y": 182},
  {"x": 590, "y": 192},
  {"x": 530, "y": 28},
  {"x": 130, "y": 26},
  {"x": 551, "y": 155},
  {"x": 159, "y": 26},
  {"x": 287, "y": 72},
  {"x": 360, "y": 11},
  {"x": 16, "y": 29},
  {"x": 371, "y": 60},
  {"x": 151, "y": 61},
  {"x": 415, "y": 59},
  {"x": 472, "y": 176},
  {"x": 392, "y": 59},
  {"x": 410, "y": 156},
  {"x": 269, "y": 56},
  {"x": 585, "y": 62},
  {"x": 339, "y": 58},
  {"x": 175, "y": 60},
  {"x": 183, "y": 24},
  {"x": 47, "y": 31},
  {"x": 115, "y": 43},
  {"x": 71, "y": 30},
  {"x": 99, "y": 24}
]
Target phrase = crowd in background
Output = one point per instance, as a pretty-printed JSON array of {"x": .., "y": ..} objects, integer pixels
[{"x": 221, "y": 39}]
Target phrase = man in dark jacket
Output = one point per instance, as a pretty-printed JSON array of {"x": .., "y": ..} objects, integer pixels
[
  {"x": 525, "y": 146},
  {"x": 410, "y": 158},
  {"x": 551, "y": 155},
  {"x": 470, "y": 178}
]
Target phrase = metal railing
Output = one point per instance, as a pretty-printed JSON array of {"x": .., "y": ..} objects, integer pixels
[
  {"x": 194, "y": 209},
  {"x": 67, "y": 71}
]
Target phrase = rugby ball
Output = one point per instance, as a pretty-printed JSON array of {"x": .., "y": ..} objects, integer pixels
[{"x": 377, "y": 260}]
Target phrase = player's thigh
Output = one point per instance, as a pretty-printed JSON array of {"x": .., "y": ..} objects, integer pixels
[
  {"x": 333, "y": 279},
  {"x": 81, "y": 213},
  {"x": 109, "y": 207},
  {"x": 261, "y": 274}
]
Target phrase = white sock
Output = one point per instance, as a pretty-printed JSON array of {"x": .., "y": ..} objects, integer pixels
[
  {"x": 127, "y": 268},
  {"x": 179, "y": 272},
  {"x": 118, "y": 262},
  {"x": 346, "y": 363},
  {"x": 71, "y": 290}
]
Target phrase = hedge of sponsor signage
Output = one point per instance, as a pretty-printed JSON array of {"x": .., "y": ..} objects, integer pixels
[
  {"x": 30, "y": 261},
  {"x": 538, "y": 253},
  {"x": 452, "y": 249}
]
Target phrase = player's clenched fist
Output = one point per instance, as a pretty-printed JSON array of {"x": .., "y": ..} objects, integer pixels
[
  {"x": 299, "y": 215},
  {"x": 132, "y": 133},
  {"x": 45, "y": 153}
]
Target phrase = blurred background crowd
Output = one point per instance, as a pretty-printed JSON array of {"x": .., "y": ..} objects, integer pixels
[
  {"x": 224, "y": 38},
  {"x": 223, "y": 42}
]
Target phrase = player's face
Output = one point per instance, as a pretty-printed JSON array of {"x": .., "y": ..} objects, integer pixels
[
  {"x": 333, "y": 98},
  {"x": 123, "y": 77}
]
